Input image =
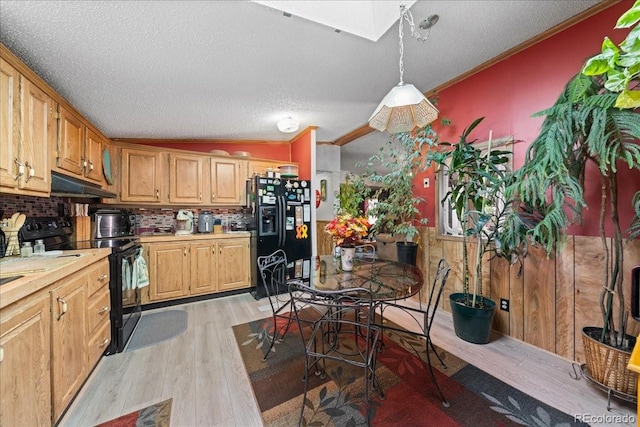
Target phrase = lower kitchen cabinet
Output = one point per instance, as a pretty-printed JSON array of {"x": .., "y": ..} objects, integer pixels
[
  {"x": 184, "y": 268},
  {"x": 233, "y": 265},
  {"x": 168, "y": 270},
  {"x": 25, "y": 371},
  {"x": 69, "y": 361}
]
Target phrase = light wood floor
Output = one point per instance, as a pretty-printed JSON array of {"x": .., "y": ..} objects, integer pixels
[{"x": 203, "y": 372}]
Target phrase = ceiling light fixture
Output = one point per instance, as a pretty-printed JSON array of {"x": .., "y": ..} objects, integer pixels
[
  {"x": 405, "y": 107},
  {"x": 288, "y": 125}
]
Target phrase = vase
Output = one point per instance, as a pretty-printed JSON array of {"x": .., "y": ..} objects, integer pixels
[{"x": 346, "y": 256}]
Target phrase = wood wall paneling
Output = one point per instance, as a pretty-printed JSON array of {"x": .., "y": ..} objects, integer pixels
[
  {"x": 499, "y": 270},
  {"x": 539, "y": 299},
  {"x": 565, "y": 301},
  {"x": 588, "y": 267}
]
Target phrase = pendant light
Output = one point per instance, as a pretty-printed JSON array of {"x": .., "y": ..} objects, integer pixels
[{"x": 405, "y": 107}]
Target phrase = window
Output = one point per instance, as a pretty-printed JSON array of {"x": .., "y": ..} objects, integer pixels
[{"x": 448, "y": 222}]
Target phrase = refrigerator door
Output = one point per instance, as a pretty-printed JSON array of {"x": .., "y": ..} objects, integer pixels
[{"x": 297, "y": 226}]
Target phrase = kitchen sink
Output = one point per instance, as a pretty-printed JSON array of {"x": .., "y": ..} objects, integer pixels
[{"x": 5, "y": 280}]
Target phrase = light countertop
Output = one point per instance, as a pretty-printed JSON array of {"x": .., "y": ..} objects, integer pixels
[{"x": 33, "y": 282}]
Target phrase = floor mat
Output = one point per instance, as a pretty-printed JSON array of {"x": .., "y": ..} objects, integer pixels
[{"x": 157, "y": 327}]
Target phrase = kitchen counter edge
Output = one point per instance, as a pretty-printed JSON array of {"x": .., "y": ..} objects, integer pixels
[{"x": 34, "y": 282}]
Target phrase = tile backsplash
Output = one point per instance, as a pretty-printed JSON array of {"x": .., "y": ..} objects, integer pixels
[
  {"x": 146, "y": 219},
  {"x": 34, "y": 206}
]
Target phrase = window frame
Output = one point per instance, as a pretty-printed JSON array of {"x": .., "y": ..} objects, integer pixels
[{"x": 504, "y": 143}]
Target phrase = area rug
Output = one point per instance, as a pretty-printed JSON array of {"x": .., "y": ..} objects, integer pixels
[
  {"x": 154, "y": 328},
  {"x": 158, "y": 415},
  {"x": 476, "y": 398}
]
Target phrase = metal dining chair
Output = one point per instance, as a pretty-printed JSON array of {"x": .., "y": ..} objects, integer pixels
[
  {"x": 273, "y": 271},
  {"x": 428, "y": 316},
  {"x": 343, "y": 331},
  {"x": 366, "y": 252}
]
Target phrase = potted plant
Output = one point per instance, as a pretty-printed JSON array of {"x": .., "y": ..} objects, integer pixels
[
  {"x": 396, "y": 210},
  {"x": 346, "y": 231},
  {"x": 477, "y": 192},
  {"x": 586, "y": 126}
]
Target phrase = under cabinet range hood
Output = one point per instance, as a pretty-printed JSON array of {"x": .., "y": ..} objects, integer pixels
[{"x": 66, "y": 186}]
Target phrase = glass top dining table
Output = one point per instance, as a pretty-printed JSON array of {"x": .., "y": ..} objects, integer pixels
[{"x": 387, "y": 280}]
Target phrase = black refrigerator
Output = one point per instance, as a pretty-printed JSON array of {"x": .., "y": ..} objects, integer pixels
[{"x": 283, "y": 221}]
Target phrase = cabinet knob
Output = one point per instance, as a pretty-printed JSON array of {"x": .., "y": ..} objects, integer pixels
[
  {"x": 101, "y": 278},
  {"x": 213, "y": 196},
  {"x": 185, "y": 252},
  {"x": 90, "y": 166},
  {"x": 103, "y": 309},
  {"x": 63, "y": 308},
  {"x": 1, "y": 354},
  {"x": 103, "y": 343},
  {"x": 157, "y": 194}
]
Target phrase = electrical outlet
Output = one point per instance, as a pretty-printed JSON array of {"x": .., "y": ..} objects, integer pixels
[
  {"x": 504, "y": 304},
  {"x": 425, "y": 183}
]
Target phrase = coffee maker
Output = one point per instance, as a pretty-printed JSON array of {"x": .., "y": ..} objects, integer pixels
[{"x": 184, "y": 222}]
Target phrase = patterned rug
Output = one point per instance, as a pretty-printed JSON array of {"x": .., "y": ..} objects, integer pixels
[
  {"x": 476, "y": 398},
  {"x": 158, "y": 415}
]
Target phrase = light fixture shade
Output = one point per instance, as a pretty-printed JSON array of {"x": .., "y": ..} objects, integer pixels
[
  {"x": 403, "y": 109},
  {"x": 288, "y": 125}
]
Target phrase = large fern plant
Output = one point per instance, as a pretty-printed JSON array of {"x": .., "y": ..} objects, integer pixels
[{"x": 583, "y": 126}]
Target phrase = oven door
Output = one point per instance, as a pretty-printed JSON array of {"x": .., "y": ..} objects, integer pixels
[{"x": 125, "y": 297}]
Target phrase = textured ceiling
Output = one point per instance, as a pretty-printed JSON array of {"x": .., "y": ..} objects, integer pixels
[{"x": 232, "y": 69}]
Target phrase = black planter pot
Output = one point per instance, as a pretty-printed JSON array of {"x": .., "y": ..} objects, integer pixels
[
  {"x": 407, "y": 252},
  {"x": 472, "y": 324}
]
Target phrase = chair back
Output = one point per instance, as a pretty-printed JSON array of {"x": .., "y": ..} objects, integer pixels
[
  {"x": 439, "y": 282},
  {"x": 345, "y": 310},
  {"x": 366, "y": 252},
  {"x": 273, "y": 271}
]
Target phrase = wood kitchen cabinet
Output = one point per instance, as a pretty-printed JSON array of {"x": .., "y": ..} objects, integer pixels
[
  {"x": 185, "y": 178},
  {"x": 186, "y": 267},
  {"x": 168, "y": 270},
  {"x": 233, "y": 268},
  {"x": 69, "y": 359},
  {"x": 79, "y": 148},
  {"x": 141, "y": 177},
  {"x": 25, "y": 374},
  {"x": 203, "y": 268},
  {"x": 227, "y": 183},
  {"x": 26, "y": 132},
  {"x": 98, "y": 309}
]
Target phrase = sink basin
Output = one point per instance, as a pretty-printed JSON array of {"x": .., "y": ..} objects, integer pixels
[{"x": 5, "y": 280}]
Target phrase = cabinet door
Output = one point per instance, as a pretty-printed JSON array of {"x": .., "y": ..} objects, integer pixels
[
  {"x": 141, "y": 176},
  {"x": 9, "y": 124},
  {"x": 25, "y": 376},
  {"x": 185, "y": 179},
  {"x": 69, "y": 341},
  {"x": 233, "y": 265},
  {"x": 203, "y": 267},
  {"x": 226, "y": 182},
  {"x": 70, "y": 156},
  {"x": 36, "y": 116},
  {"x": 259, "y": 167},
  {"x": 93, "y": 147},
  {"x": 168, "y": 271}
]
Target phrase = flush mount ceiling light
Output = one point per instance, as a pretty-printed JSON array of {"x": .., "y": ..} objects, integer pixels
[
  {"x": 405, "y": 107},
  {"x": 288, "y": 125}
]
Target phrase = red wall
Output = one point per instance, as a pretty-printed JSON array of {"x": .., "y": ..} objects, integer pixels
[
  {"x": 301, "y": 154},
  {"x": 509, "y": 92}
]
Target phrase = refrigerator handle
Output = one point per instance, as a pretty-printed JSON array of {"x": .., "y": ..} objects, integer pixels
[{"x": 283, "y": 219}]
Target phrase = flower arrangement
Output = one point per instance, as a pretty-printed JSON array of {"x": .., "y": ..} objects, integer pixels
[{"x": 346, "y": 230}]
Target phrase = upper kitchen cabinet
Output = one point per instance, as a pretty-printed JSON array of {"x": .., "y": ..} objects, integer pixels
[
  {"x": 142, "y": 176},
  {"x": 26, "y": 132},
  {"x": 185, "y": 178},
  {"x": 227, "y": 181},
  {"x": 79, "y": 148}
]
